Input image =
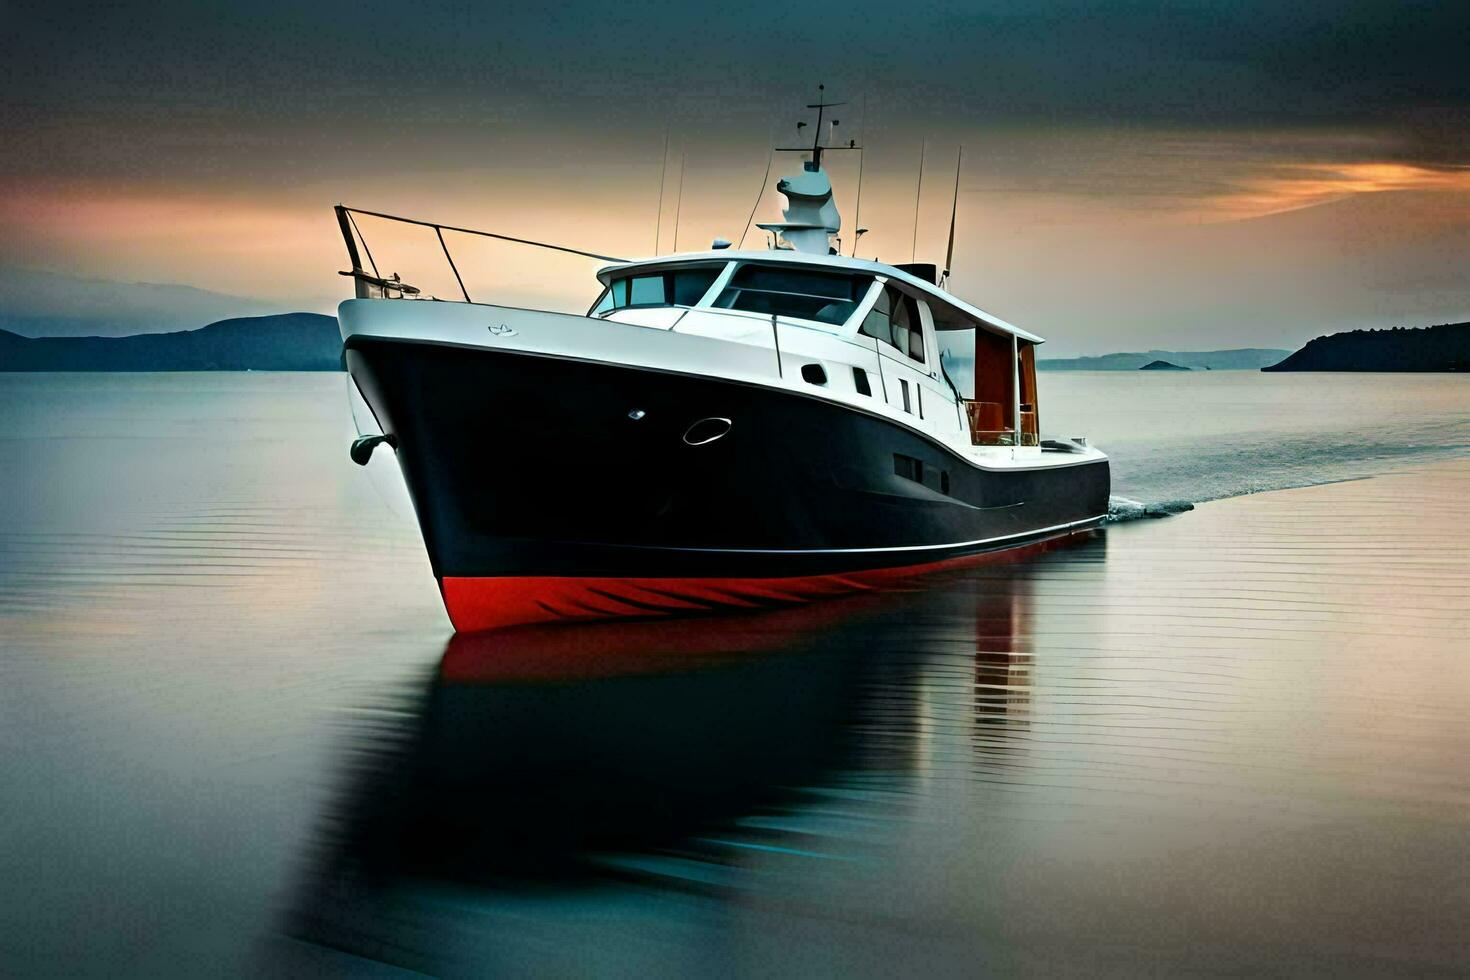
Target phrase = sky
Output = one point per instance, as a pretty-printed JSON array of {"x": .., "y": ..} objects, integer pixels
[{"x": 1192, "y": 175}]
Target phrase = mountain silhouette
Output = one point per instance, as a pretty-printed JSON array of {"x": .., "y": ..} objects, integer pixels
[
  {"x": 1442, "y": 348},
  {"x": 285, "y": 342}
]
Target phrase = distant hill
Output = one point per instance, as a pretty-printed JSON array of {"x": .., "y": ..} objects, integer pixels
[
  {"x": 1242, "y": 359},
  {"x": 34, "y": 303},
  {"x": 286, "y": 342},
  {"x": 1442, "y": 348},
  {"x": 1162, "y": 366}
]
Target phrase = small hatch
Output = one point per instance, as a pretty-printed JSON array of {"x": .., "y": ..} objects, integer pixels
[{"x": 914, "y": 469}]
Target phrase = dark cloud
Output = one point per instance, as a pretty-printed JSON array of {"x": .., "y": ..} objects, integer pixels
[
  {"x": 290, "y": 86},
  {"x": 1113, "y": 151}
]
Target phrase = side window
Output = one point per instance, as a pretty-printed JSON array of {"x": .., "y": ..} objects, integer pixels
[
  {"x": 614, "y": 297},
  {"x": 895, "y": 319},
  {"x": 906, "y": 325},
  {"x": 876, "y": 323},
  {"x": 903, "y": 322},
  {"x": 916, "y": 329},
  {"x": 690, "y": 285},
  {"x": 679, "y": 287},
  {"x": 647, "y": 291}
]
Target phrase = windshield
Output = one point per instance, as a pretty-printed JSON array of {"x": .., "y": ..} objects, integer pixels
[
  {"x": 827, "y": 297},
  {"x": 667, "y": 287}
]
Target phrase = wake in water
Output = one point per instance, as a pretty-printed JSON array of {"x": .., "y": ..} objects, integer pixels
[
  {"x": 1121, "y": 509},
  {"x": 1204, "y": 436}
]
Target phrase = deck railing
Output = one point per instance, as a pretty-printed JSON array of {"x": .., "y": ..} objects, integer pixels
[{"x": 374, "y": 285}]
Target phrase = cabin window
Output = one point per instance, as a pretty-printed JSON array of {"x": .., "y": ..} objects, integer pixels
[
  {"x": 904, "y": 385},
  {"x": 671, "y": 287},
  {"x": 806, "y": 294},
  {"x": 956, "y": 341},
  {"x": 646, "y": 291},
  {"x": 860, "y": 381},
  {"x": 690, "y": 285},
  {"x": 614, "y": 297},
  {"x": 915, "y": 329},
  {"x": 908, "y": 329},
  {"x": 894, "y": 319},
  {"x": 877, "y": 322}
]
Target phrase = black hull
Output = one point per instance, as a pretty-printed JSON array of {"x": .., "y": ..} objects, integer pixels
[{"x": 529, "y": 466}]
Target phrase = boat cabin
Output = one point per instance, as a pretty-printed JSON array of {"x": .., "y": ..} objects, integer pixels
[{"x": 899, "y": 331}]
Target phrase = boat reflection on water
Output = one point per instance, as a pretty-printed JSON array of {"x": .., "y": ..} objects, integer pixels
[
  {"x": 663, "y": 754},
  {"x": 1002, "y": 670},
  {"x": 537, "y": 748}
]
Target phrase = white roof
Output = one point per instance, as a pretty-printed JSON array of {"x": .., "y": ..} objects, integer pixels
[{"x": 932, "y": 293}]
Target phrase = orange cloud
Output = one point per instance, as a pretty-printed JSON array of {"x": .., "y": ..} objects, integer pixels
[
  {"x": 1292, "y": 188},
  {"x": 250, "y": 247},
  {"x": 287, "y": 246}
]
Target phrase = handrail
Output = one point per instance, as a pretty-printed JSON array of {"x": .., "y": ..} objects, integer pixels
[
  {"x": 376, "y": 286},
  {"x": 483, "y": 234}
]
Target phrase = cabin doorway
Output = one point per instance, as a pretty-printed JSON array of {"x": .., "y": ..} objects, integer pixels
[{"x": 995, "y": 376}]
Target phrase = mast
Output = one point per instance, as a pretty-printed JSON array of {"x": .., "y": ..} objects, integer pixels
[
  {"x": 811, "y": 216},
  {"x": 820, "y": 105}
]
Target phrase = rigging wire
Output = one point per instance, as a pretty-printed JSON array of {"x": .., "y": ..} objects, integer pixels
[
  {"x": 918, "y": 192},
  {"x": 857, "y": 210},
  {"x": 658, "y": 223},
  {"x": 679, "y": 201},
  {"x": 759, "y": 194}
]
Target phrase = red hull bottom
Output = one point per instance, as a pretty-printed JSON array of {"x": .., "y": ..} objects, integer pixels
[{"x": 493, "y": 602}]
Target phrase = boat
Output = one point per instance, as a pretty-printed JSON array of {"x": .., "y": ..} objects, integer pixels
[{"x": 721, "y": 429}]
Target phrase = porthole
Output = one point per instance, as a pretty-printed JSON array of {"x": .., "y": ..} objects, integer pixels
[{"x": 813, "y": 374}]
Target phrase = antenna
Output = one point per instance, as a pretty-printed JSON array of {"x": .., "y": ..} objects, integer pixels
[
  {"x": 820, "y": 106},
  {"x": 914, "y": 247},
  {"x": 679, "y": 201},
  {"x": 857, "y": 211},
  {"x": 817, "y": 149},
  {"x": 658, "y": 224},
  {"x": 954, "y": 208}
]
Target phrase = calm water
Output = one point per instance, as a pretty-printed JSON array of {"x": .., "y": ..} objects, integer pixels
[
  {"x": 237, "y": 735},
  {"x": 1205, "y": 435}
]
